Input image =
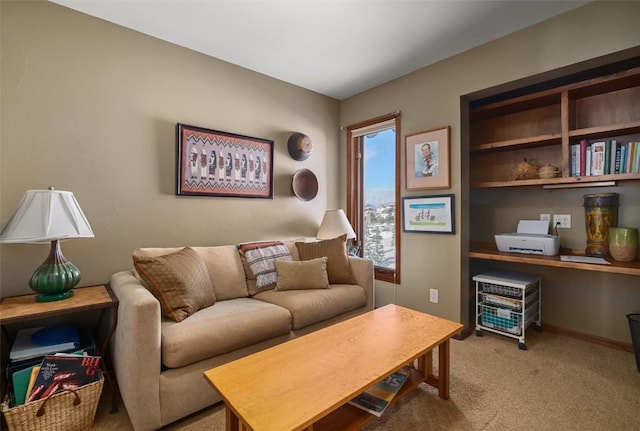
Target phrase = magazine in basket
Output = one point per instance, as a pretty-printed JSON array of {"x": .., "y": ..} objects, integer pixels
[
  {"x": 378, "y": 397},
  {"x": 62, "y": 372}
]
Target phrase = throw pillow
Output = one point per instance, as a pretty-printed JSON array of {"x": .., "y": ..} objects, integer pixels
[
  {"x": 180, "y": 281},
  {"x": 258, "y": 260},
  {"x": 335, "y": 250},
  {"x": 302, "y": 274}
]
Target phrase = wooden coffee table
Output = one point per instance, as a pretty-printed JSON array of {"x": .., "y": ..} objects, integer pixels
[{"x": 305, "y": 383}]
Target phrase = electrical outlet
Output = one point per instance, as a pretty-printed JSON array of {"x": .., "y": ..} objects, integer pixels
[
  {"x": 433, "y": 295},
  {"x": 546, "y": 217},
  {"x": 562, "y": 221}
]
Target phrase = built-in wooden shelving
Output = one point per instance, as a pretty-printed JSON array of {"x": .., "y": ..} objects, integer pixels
[{"x": 489, "y": 251}]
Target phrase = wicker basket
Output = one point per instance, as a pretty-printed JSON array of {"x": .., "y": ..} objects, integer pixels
[{"x": 71, "y": 410}]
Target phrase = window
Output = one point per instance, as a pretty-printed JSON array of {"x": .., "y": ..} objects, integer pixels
[{"x": 373, "y": 192}]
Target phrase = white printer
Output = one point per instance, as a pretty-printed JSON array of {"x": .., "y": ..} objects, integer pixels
[{"x": 531, "y": 238}]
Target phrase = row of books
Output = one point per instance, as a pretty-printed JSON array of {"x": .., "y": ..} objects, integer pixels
[{"x": 604, "y": 157}]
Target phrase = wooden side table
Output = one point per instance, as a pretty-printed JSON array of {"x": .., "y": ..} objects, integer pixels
[{"x": 20, "y": 309}]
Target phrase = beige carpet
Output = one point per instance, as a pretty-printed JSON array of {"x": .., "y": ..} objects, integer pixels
[{"x": 558, "y": 384}]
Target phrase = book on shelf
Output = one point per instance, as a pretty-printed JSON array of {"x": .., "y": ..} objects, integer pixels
[
  {"x": 583, "y": 157},
  {"x": 623, "y": 158},
  {"x": 607, "y": 157},
  {"x": 598, "y": 150},
  {"x": 612, "y": 156},
  {"x": 62, "y": 372},
  {"x": 35, "y": 342},
  {"x": 377, "y": 398},
  {"x": 616, "y": 167}
]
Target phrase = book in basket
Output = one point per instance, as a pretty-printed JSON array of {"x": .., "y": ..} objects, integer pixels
[
  {"x": 58, "y": 373},
  {"x": 377, "y": 398}
]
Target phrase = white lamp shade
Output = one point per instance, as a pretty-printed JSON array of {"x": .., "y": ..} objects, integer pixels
[
  {"x": 46, "y": 215},
  {"x": 335, "y": 223}
]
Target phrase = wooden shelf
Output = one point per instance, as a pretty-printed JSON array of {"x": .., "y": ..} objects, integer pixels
[
  {"x": 602, "y": 131},
  {"x": 488, "y": 251},
  {"x": 541, "y": 128},
  {"x": 547, "y": 139},
  {"x": 578, "y": 181}
]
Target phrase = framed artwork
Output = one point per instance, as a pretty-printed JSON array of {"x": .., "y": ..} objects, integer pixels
[
  {"x": 427, "y": 159},
  {"x": 214, "y": 163},
  {"x": 429, "y": 214}
]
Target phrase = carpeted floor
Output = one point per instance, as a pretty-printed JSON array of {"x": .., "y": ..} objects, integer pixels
[{"x": 558, "y": 384}]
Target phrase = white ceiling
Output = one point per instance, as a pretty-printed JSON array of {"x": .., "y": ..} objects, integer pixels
[{"x": 334, "y": 47}]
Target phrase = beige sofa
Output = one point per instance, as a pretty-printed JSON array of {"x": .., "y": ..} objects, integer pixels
[{"x": 159, "y": 363}]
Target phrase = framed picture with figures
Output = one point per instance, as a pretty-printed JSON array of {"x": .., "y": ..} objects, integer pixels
[
  {"x": 429, "y": 214},
  {"x": 215, "y": 163},
  {"x": 427, "y": 156}
]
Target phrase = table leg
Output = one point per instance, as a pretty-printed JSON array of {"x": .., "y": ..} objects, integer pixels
[
  {"x": 106, "y": 355},
  {"x": 425, "y": 366},
  {"x": 443, "y": 370},
  {"x": 233, "y": 423}
]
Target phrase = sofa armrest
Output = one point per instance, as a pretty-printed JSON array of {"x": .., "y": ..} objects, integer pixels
[
  {"x": 362, "y": 270},
  {"x": 136, "y": 350}
]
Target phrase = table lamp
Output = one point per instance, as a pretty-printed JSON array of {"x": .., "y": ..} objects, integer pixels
[
  {"x": 335, "y": 223},
  {"x": 49, "y": 215}
]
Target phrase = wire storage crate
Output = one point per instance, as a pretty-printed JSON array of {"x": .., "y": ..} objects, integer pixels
[
  {"x": 507, "y": 303},
  {"x": 69, "y": 410}
]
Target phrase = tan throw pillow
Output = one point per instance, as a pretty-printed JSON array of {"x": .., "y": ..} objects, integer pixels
[
  {"x": 335, "y": 250},
  {"x": 302, "y": 274},
  {"x": 180, "y": 281}
]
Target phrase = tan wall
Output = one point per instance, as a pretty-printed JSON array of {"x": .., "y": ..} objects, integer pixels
[
  {"x": 91, "y": 107},
  {"x": 430, "y": 98}
]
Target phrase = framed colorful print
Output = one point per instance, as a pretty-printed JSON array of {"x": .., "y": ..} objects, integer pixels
[
  {"x": 429, "y": 214},
  {"x": 214, "y": 163},
  {"x": 427, "y": 160}
]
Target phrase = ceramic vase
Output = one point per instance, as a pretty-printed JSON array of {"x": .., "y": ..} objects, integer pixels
[
  {"x": 623, "y": 243},
  {"x": 601, "y": 212}
]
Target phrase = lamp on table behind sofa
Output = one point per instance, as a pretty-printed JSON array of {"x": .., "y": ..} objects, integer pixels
[
  {"x": 335, "y": 223},
  {"x": 49, "y": 215}
]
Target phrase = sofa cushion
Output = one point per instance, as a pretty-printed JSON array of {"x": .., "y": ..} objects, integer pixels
[
  {"x": 335, "y": 250},
  {"x": 258, "y": 260},
  {"x": 302, "y": 274},
  {"x": 312, "y": 306},
  {"x": 223, "y": 264},
  {"x": 225, "y": 327},
  {"x": 225, "y": 268},
  {"x": 179, "y": 281},
  {"x": 293, "y": 249}
]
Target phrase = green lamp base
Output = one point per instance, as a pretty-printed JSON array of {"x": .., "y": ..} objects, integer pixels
[
  {"x": 54, "y": 279},
  {"x": 57, "y": 297}
]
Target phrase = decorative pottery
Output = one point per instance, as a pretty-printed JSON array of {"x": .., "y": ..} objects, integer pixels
[
  {"x": 304, "y": 185},
  {"x": 299, "y": 146},
  {"x": 623, "y": 243},
  {"x": 601, "y": 212}
]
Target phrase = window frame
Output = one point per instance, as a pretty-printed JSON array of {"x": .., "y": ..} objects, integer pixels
[{"x": 355, "y": 190}]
